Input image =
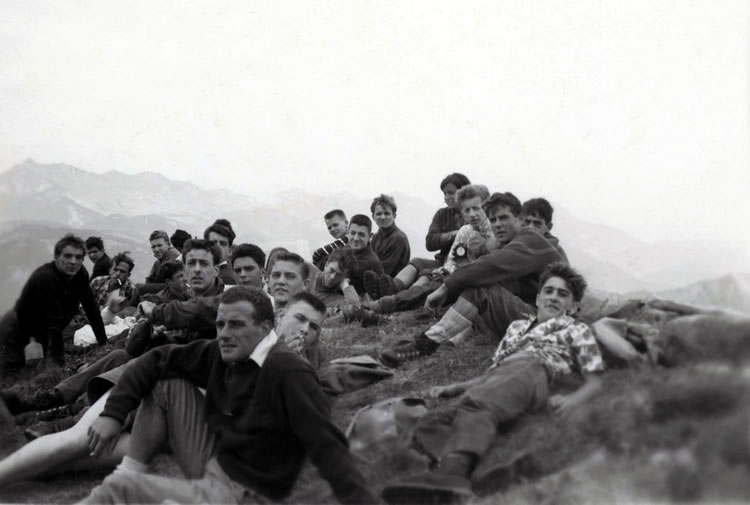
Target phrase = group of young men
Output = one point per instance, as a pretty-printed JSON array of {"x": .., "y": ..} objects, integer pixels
[{"x": 245, "y": 327}]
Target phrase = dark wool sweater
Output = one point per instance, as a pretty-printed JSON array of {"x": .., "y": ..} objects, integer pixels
[
  {"x": 517, "y": 267},
  {"x": 391, "y": 246},
  {"x": 445, "y": 220},
  {"x": 197, "y": 315},
  {"x": 366, "y": 260},
  {"x": 101, "y": 267},
  {"x": 48, "y": 302},
  {"x": 267, "y": 419}
]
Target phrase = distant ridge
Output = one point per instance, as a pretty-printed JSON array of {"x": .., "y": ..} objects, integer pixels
[{"x": 113, "y": 204}]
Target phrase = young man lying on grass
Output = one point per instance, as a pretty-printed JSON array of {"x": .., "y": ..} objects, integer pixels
[{"x": 534, "y": 354}]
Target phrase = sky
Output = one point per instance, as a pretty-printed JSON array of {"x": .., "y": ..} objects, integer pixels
[{"x": 630, "y": 113}]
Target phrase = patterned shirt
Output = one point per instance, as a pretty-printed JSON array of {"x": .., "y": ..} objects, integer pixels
[
  {"x": 563, "y": 344},
  {"x": 100, "y": 288}
]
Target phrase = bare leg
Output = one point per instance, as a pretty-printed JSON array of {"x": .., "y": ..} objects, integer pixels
[
  {"x": 66, "y": 450},
  {"x": 423, "y": 279},
  {"x": 407, "y": 275}
]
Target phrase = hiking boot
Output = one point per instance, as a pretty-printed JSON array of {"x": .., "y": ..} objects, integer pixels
[
  {"x": 56, "y": 412},
  {"x": 428, "y": 487},
  {"x": 366, "y": 316},
  {"x": 498, "y": 476},
  {"x": 387, "y": 286},
  {"x": 370, "y": 318},
  {"x": 45, "y": 400},
  {"x": 371, "y": 282},
  {"x": 420, "y": 346},
  {"x": 351, "y": 313}
]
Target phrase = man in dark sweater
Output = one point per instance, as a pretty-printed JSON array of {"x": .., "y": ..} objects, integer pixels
[
  {"x": 390, "y": 243},
  {"x": 48, "y": 302},
  {"x": 173, "y": 312},
  {"x": 263, "y": 413},
  {"x": 537, "y": 215},
  {"x": 360, "y": 232},
  {"x": 201, "y": 258},
  {"x": 95, "y": 252},
  {"x": 497, "y": 288}
]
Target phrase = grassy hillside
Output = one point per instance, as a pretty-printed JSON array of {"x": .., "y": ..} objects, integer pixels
[{"x": 653, "y": 435}]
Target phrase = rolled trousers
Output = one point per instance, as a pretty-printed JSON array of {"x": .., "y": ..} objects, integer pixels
[{"x": 194, "y": 449}]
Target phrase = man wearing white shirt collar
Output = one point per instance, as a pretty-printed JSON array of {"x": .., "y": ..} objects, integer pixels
[{"x": 263, "y": 414}]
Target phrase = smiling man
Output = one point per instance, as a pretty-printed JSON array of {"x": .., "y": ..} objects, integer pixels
[
  {"x": 262, "y": 415},
  {"x": 162, "y": 250},
  {"x": 289, "y": 275},
  {"x": 337, "y": 226},
  {"x": 360, "y": 232},
  {"x": 536, "y": 352},
  {"x": 390, "y": 244},
  {"x": 48, "y": 301},
  {"x": 332, "y": 285}
]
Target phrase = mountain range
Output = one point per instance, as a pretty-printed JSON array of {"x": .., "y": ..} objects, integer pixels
[{"x": 40, "y": 202}]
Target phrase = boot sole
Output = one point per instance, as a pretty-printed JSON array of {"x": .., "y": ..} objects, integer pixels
[{"x": 405, "y": 494}]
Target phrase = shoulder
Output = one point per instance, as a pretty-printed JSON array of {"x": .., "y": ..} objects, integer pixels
[
  {"x": 443, "y": 213},
  {"x": 531, "y": 240},
  {"x": 282, "y": 360},
  {"x": 171, "y": 253},
  {"x": 399, "y": 233}
]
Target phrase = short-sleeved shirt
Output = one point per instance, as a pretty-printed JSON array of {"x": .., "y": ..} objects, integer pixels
[
  {"x": 100, "y": 288},
  {"x": 563, "y": 344}
]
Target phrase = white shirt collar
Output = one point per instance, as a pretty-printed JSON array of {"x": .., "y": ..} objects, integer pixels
[{"x": 260, "y": 353}]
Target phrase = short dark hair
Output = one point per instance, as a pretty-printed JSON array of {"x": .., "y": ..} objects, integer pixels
[
  {"x": 458, "y": 180},
  {"x": 249, "y": 251},
  {"x": 97, "y": 242},
  {"x": 272, "y": 256},
  {"x": 335, "y": 213},
  {"x": 257, "y": 298},
  {"x": 538, "y": 207},
  {"x": 506, "y": 199},
  {"x": 345, "y": 259},
  {"x": 575, "y": 281},
  {"x": 168, "y": 269},
  {"x": 122, "y": 257},
  {"x": 472, "y": 191},
  {"x": 223, "y": 228},
  {"x": 361, "y": 220},
  {"x": 178, "y": 238},
  {"x": 196, "y": 243},
  {"x": 293, "y": 258},
  {"x": 383, "y": 200},
  {"x": 157, "y": 234},
  {"x": 69, "y": 240},
  {"x": 310, "y": 299}
]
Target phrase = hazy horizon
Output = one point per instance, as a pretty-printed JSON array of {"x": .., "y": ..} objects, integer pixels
[{"x": 635, "y": 115}]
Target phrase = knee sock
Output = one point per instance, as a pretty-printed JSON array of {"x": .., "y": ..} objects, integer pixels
[
  {"x": 457, "y": 320},
  {"x": 130, "y": 465}
]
